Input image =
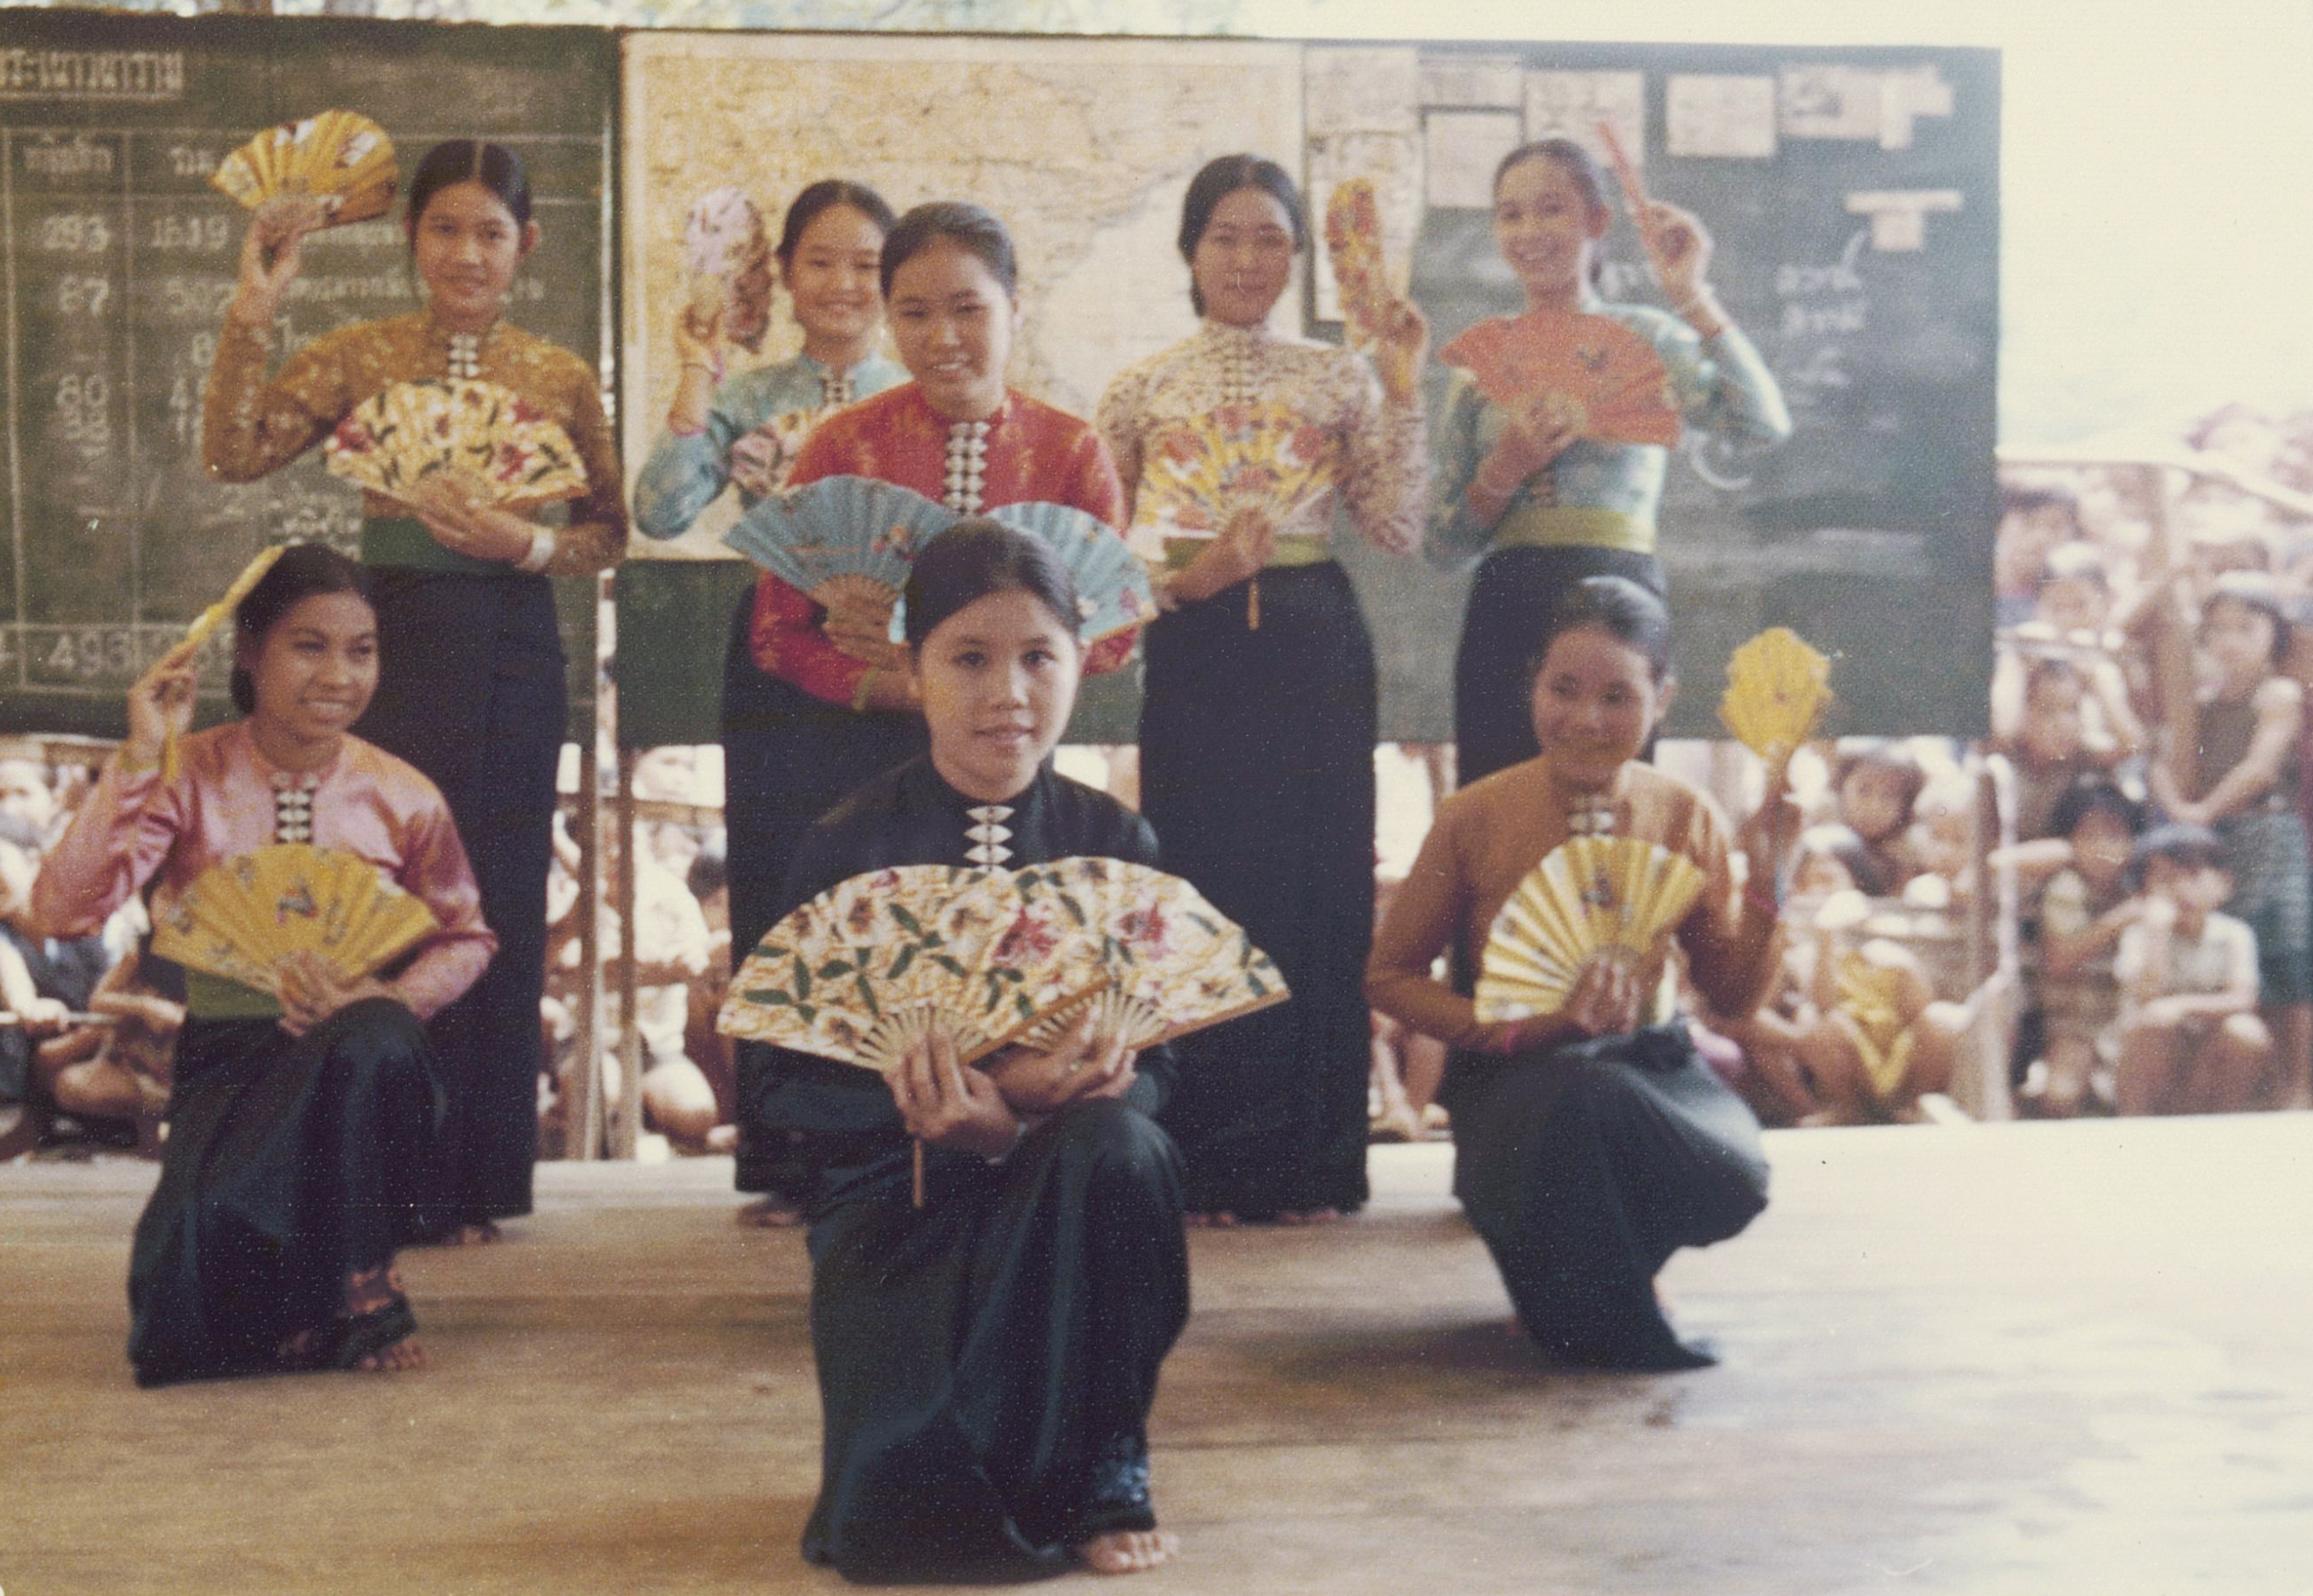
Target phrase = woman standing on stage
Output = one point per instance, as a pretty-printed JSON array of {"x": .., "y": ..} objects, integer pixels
[
  {"x": 473, "y": 695},
  {"x": 955, "y": 433},
  {"x": 787, "y": 755},
  {"x": 1257, "y": 730},
  {"x": 300, "y": 1126},
  {"x": 988, "y": 1357},
  {"x": 1521, "y": 486},
  {"x": 1592, "y": 1143}
]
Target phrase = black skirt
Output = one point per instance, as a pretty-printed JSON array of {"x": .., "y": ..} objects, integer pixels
[
  {"x": 1256, "y": 770},
  {"x": 787, "y": 758},
  {"x": 292, "y": 1162},
  {"x": 987, "y": 1361},
  {"x": 1510, "y": 602},
  {"x": 472, "y": 692},
  {"x": 1585, "y": 1168}
]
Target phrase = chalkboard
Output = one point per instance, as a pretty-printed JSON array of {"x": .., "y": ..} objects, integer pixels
[
  {"x": 120, "y": 257},
  {"x": 1853, "y": 197}
]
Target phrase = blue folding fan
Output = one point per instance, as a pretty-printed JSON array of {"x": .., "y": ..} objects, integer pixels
[{"x": 851, "y": 541}]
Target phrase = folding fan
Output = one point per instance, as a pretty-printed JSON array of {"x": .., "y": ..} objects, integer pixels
[
  {"x": 717, "y": 231},
  {"x": 1868, "y": 995},
  {"x": 852, "y": 540},
  {"x": 240, "y": 918},
  {"x": 1593, "y": 361},
  {"x": 206, "y": 623},
  {"x": 340, "y": 160},
  {"x": 1777, "y": 689},
  {"x": 1353, "y": 242},
  {"x": 864, "y": 969},
  {"x": 1590, "y": 897},
  {"x": 1113, "y": 590},
  {"x": 1200, "y": 472},
  {"x": 1174, "y": 963},
  {"x": 488, "y": 435}
]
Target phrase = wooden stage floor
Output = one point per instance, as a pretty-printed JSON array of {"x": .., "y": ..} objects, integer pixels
[{"x": 2032, "y": 1359}]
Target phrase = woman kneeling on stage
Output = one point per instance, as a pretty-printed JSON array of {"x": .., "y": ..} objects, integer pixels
[{"x": 1591, "y": 1140}]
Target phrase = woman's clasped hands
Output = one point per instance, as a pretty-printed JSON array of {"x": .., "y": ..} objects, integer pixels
[{"x": 970, "y": 1108}]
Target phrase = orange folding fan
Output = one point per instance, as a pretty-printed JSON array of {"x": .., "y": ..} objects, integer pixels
[{"x": 1594, "y": 361}]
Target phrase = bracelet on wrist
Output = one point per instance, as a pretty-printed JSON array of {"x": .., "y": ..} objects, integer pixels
[{"x": 541, "y": 551}]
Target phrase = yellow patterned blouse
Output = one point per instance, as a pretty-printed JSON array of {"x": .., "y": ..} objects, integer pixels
[{"x": 251, "y": 427}]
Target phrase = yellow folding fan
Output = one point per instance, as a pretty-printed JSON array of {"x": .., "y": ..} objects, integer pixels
[
  {"x": 208, "y": 620},
  {"x": 1591, "y": 897},
  {"x": 488, "y": 435},
  {"x": 238, "y": 919},
  {"x": 340, "y": 160},
  {"x": 1778, "y": 688},
  {"x": 866, "y": 967},
  {"x": 1353, "y": 243},
  {"x": 1173, "y": 962}
]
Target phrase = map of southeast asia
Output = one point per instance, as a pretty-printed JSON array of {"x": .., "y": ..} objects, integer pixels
[{"x": 1084, "y": 148}]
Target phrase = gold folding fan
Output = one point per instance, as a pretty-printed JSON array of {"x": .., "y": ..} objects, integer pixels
[
  {"x": 1353, "y": 243},
  {"x": 340, "y": 160},
  {"x": 240, "y": 918},
  {"x": 864, "y": 969},
  {"x": 1778, "y": 688},
  {"x": 488, "y": 435},
  {"x": 1174, "y": 963},
  {"x": 207, "y": 621},
  {"x": 1591, "y": 897}
]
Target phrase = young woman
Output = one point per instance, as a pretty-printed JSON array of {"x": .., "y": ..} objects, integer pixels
[
  {"x": 955, "y": 434},
  {"x": 1256, "y": 742},
  {"x": 1593, "y": 1143},
  {"x": 474, "y": 695},
  {"x": 986, "y": 1360},
  {"x": 787, "y": 755},
  {"x": 1520, "y": 487},
  {"x": 299, "y": 1127}
]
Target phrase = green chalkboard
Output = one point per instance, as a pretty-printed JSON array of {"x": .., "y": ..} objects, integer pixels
[{"x": 120, "y": 257}]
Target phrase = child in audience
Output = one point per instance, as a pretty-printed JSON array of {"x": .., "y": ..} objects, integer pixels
[
  {"x": 2033, "y": 520},
  {"x": 2237, "y": 773},
  {"x": 2083, "y": 909},
  {"x": 2190, "y": 1041},
  {"x": 1877, "y": 787}
]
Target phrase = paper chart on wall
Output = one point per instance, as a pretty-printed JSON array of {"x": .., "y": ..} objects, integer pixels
[
  {"x": 1461, "y": 149},
  {"x": 1361, "y": 90},
  {"x": 1719, "y": 115},
  {"x": 1571, "y": 105}
]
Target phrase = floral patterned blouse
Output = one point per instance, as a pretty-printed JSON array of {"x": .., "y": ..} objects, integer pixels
[{"x": 251, "y": 426}]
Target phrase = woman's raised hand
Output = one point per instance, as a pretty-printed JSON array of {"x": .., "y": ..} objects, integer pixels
[
  {"x": 946, "y": 1104},
  {"x": 270, "y": 255},
  {"x": 1678, "y": 248},
  {"x": 698, "y": 326},
  {"x": 1401, "y": 342},
  {"x": 160, "y": 704},
  {"x": 1084, "y": 1062},
  {"x": 1766, "y": 839}
]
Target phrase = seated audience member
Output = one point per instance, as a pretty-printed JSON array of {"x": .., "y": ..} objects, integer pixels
[
  {"x": 1876, "y": 788},
  {"x": 2190, "y": 1041},
  {"x": 2084, "y": 907}
]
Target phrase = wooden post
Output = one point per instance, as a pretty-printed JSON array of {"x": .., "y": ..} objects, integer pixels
[
  {"x": 582, "y": 1112},
  {"x": 627, "y": 1117}
]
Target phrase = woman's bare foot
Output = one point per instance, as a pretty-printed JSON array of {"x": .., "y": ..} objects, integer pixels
[
  {"x": 481, "y": 1233},
  {"x": 1129, "y": 1551},
  {"x": 1221, "y": 1219},
  {"x": 397, "y": 1358},
  {"x": 372, "y": 1331},
  {"x": 772, "y": 1212}
]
